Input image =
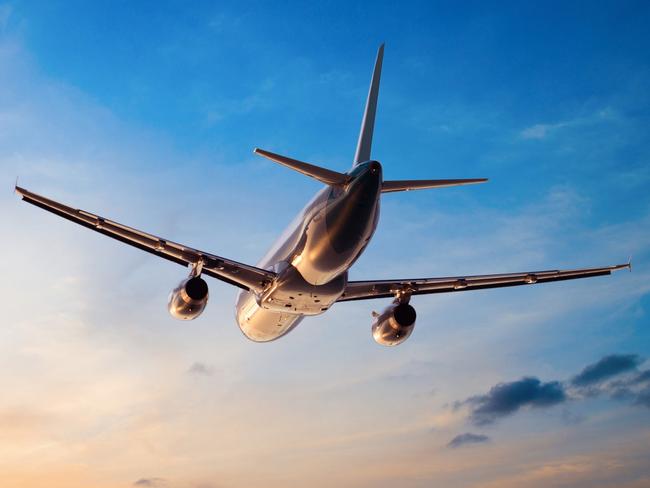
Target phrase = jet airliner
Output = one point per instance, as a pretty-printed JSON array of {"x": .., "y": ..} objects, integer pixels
[{"x": 306, "y": 271}]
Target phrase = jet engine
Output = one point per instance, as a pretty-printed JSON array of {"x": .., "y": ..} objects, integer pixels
[
  {"x": 394, "y": 325},
  {"x": 188, "y": 299}
]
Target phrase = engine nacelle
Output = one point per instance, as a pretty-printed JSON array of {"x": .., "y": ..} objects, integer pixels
[
  {"x": 188, "y": 299},
  {"x": 394, "y": 325}
]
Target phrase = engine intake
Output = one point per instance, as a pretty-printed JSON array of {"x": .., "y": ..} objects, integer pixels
[
  {"x": 188, "y": 299},
  {"x": 394, "y": 325}
]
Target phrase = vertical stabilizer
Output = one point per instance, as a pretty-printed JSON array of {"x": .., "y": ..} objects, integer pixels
[{"x": 368, "y": 122}]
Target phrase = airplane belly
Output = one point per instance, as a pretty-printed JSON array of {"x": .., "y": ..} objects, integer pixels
[
  {"x": 262, "y": 325},
  {"x": 291, "y": 293}
]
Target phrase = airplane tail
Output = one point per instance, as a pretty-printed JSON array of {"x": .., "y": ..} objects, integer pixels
[
  {"x": 334, "y": 178},
  {"x": 368, "y": 122},
  {"x": 365, "y": 142}
]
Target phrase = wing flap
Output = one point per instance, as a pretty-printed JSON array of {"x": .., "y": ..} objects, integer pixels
[
  {"x": 365, "y": 290},
  {"x": 237, "y": 274}
]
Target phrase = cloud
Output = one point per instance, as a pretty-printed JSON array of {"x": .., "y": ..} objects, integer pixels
[
  {"x": 541, "y": 131},
  {"x": 607, "y": 367},
  {"x": 594, "y": 380},
  {"x": 467, "y": 438},
  {"x": 507, "y": 398},
  {"x": 638, "y": 379},
  {"x": 642, "y": 377},
  {"x": 643, "y": 397},
  {"x": 636, "y": 388},
  {"x": 538, "y": 131},
  {"x": 150, "y": 482},
  {"x": 201, "y": 369},
  {"x": 127, "y": 389}
]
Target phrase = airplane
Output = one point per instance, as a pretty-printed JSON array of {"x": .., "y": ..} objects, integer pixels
[{"x": 306, "y": 271}]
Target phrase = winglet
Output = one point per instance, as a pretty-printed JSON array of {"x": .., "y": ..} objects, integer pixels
[
  {"x": 18, "y": 190},
  {"x": 618, "y": 267},
  {"x": 324, "y": 175},
  {"x": 368, "y": 122}
]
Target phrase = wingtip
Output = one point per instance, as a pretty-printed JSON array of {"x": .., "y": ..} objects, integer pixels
[
  {"x": 627, "y": 266},
  {"x": 265, "y": 154},
  {"x": 18, "y": 190}
]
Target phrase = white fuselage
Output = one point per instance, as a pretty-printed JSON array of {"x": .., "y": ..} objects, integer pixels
[{"x": 313, "y": 255}]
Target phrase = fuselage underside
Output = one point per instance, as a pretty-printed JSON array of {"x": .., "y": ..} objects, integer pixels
[{"x": 313, "y": 255}]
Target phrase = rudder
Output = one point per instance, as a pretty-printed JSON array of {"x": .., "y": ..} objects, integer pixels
[{"x": 364, "y": 143}]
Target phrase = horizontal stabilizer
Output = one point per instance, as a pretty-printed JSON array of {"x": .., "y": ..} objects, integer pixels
[
  {"x": 327, "y": 176},
  {"x": 406, "y": 185}
]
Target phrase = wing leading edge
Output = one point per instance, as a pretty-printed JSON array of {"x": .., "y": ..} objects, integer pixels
[
  {"x": 365, "y": 290},
  {"x": 232, "y": 272}
]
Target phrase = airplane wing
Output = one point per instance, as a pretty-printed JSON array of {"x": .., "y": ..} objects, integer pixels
[
  {"x": 364, "y": 290},
  {"x": 238, "y": 274}
]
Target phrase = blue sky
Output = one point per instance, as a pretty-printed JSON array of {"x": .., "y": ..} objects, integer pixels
[{"x": 148, "y": 113}]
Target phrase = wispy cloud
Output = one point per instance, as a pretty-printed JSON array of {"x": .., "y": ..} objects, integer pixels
[
  {"x": 611, "y": 467},
  {"x": 151, "y": 482},
  {"x": 543, "y": 130},
  {"x": 467, "y": 438},
  {"x": 201, "y": 369},
  {"x": 540, "y": 131},
  {"x": 607, "y": 367}
]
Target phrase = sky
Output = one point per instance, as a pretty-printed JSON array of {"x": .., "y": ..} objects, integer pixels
[{"x": 147, "y": 113}]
